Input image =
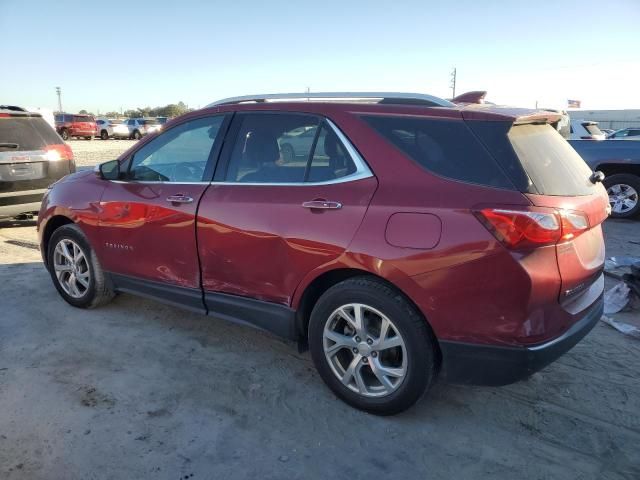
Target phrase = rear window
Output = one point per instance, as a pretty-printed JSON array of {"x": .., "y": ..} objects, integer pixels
[
  {"x": 82, "y": 118},
  {"x": 536, "y": 158},
  {"x": 30, "y": 133},
  {"x": 445, "y": 147},
  {"x": 592, "y": 128},
  {"x": 552, "y": 164},
  {"x": 148, "y": 122}
]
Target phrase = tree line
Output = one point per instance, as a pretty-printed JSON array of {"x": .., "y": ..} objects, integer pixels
[{"x": 171, "y": 110}]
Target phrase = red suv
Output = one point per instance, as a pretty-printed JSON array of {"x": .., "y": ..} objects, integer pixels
[
  {"x": 68, "y": 125},
  {"x": 409, "y": 238}
]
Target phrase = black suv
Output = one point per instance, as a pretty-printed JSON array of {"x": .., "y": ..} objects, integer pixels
[{"x": 32, "y": 156}]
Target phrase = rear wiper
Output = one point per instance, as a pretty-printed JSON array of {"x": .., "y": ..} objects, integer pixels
[
  {"x": 9, "y": 145},
  {"x": 596, "y": 177}
]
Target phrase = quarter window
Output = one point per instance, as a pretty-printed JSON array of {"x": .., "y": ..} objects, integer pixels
[{"x": 179, "y": 154}]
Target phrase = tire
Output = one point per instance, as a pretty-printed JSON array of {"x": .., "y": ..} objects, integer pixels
[
  {"x": 104, "y": 135},
  {"x": 137, "y": 135},
  {"x": 98, "y": 290},
  {"x": 65, "y": 134},
  {"x": 288, "y": 153},
  {"x": 416, "y": 357},
  {"x": 624, "y": 194},
  {"x": 88, "y": 138}
]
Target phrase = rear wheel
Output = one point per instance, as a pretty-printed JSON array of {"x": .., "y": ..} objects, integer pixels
[
  {"x": 624, "y": 191},
  {"x": 137, "y": 135},
  {"x": 104, "y": 135},
  {"x": 371, "y": 346},
  {"x": 65, "y": 134},
  {"x": 288, "y": 153},
  {"x": 75, "y": 269},
  {"x": 89, "y": 138}
]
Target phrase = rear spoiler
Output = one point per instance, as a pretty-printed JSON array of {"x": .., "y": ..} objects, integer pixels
[
  {"x": 477, "y": 96},
  {"x": 517, "y": 116}
]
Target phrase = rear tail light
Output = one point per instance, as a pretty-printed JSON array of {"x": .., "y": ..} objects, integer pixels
[
  {"x": 58, "y": 152},
  {"x": 534, "y": 227}
]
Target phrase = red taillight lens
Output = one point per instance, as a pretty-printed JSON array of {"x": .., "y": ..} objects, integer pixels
[
  {"x": 59, "y": 152},
  {"x": 523, "y": 229}
]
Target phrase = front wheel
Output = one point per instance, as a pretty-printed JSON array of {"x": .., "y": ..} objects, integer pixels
[
  {"x": 137, "y": 135},
  {"x": 623, "y": 190},
  {"x": 75, "y": 269},
  {"x": 371, "y": 346},
  {"x": 65, "y": 134},
  {"x": 104, "y": 135}
]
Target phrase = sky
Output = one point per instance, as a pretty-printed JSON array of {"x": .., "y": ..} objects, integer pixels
[{"x": 152, "y": 53}]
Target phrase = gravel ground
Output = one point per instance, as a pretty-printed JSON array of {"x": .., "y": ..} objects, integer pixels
[
  {"x": 91, "y": 152},
  {"x": 141, "y": 390}
]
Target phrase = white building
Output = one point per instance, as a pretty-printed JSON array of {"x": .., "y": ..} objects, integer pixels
[{"x": 614, "y": 119}]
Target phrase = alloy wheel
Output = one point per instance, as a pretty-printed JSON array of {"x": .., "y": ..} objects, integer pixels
[
  {"x": 622, "y": 197},
  {"x": 365, "y": 350},
  {"x": 71, "y": 268}
]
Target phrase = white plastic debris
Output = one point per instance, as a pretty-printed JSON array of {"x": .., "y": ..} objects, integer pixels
[
  {"x": 616, "y": 298},
  {"x": 622, "y": 327}
]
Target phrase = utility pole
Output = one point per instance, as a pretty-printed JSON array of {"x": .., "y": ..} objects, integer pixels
[
  {"x": 59, "y": 92},
  {"x": 453, "y": 82}
]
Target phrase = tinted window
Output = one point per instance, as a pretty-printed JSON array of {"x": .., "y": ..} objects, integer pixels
[
  {"x": 444, "y": 147},
  {"x": 272, "y": 148},
  {"x": 79, "y": 118},
  {"x": 149, "y": 122},
  {"x": 179, "y": 154},
  {"x": 552, "y": 164},
  {"x": 29, "y": 133},
  {"x": 330, "y": 159},
  {"x": 633, "y": 133}
]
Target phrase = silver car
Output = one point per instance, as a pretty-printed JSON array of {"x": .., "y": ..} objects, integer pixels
[
  {"x": 111, "y": 128},
  {"x": 139, "y": 127}
]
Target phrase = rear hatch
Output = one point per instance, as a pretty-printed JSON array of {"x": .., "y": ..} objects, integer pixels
[
  {"x": 84, "y": 124},
  {"x": 549, "y": 172},
  {"x": 32, "y": 155}
]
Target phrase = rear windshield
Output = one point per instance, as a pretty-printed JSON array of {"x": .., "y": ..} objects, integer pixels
[
  {"x": 149, "y": 122},
  {"x": 29, "y": 133},
  {"x": 445, "y": 147},
  {"x": 592, "y": 128},
  {"x": 78, "y": 118},
  {"x": 552, "y": 164}
]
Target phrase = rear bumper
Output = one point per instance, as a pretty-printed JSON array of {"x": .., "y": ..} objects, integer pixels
[{"x": 477, "y": 364}]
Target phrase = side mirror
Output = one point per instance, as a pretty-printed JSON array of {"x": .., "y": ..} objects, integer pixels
[{"x": 109, "y": 170}]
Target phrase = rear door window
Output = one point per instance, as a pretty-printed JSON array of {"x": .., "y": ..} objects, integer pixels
[
  {"x": 29, "y": 133},
  {"x": 272, "y": 148},
  {"x": 444, "y": 147}
]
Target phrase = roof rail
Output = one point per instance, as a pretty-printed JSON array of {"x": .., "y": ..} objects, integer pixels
[{"x": 381, "y": 97}]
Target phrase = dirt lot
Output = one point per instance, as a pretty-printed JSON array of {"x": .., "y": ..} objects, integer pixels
[
  {"x": 142, "y": 390},
  {"x": 89, "y": 153}
]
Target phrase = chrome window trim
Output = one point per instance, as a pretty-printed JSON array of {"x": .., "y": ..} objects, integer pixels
[{"x": 362, "y": 170}]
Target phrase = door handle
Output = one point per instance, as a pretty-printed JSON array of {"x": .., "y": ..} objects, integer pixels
[
  {"x": 322, "y": 204},
  {"x": 180, "y": 198}
]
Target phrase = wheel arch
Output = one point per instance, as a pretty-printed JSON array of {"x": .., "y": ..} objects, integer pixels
[
  {"x": 611, "y": 168},
  {"x": 51, "y": 226},
  {"x": 327, "y": 279}
]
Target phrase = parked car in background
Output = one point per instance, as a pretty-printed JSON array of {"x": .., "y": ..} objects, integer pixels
[
  {"x": 139, "y": 127},
  {"x": 70, "y": 125},
  {"x": 32, "y": 157},
  {"x": 626, "y": 134},
  {"x": 424, "y": 239},
  {"x": 162, "y": 120},
  {"x": 585, "y": 130},
  {"x": 620, "y": 162},
  {"x": 112, "y": 128}
]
